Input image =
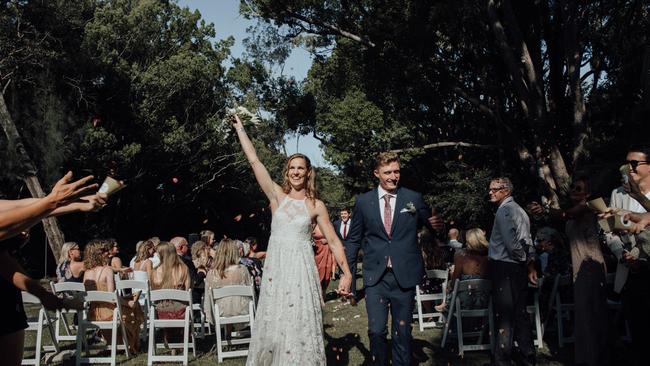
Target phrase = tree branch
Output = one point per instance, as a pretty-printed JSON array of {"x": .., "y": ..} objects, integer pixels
[
  {"x": 444, "y": 144},
  {"x": 332, "y": 29}
]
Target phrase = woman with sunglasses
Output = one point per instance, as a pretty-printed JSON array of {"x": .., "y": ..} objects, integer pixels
[
  {"x": 588, "y": 264},
  {"x": 71, "y": 267}
]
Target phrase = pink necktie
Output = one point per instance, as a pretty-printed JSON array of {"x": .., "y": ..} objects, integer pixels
[
  {"x": 387, "y": 222},
  {"x": 387, "y": 212}
]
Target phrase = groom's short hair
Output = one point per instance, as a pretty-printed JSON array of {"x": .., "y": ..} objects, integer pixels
[{"x": 385, "y": 158}]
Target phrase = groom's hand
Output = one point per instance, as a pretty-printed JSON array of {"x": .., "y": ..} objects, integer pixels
[
  {"x": 344, "y": 286},
  {"x": 436, "y": 221}
]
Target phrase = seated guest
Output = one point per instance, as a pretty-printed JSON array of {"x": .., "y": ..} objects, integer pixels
[
  {"x": 196, "y": 277},
  {"x": 142, "y": 265},
  {"x": 71, "y": 267},
  {"x": 172, "y": 273},
  {"x": 137, "y": 247},
  {"x": 253, "y": 265},
  {"x": 470, "y": 263},
  {"x": 433, "y": 258},
  {"x": 201, "y": 256},
  {"x": 114, "y": 259},
  {"x": 255, "y": 249},
  {"x": 207, "y": 236},
  {"x": 227, "y": 271},
  {"x": 99, "y": 277}
]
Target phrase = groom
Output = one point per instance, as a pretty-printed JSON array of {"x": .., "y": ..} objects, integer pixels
[{"x": 389, "y": 218}]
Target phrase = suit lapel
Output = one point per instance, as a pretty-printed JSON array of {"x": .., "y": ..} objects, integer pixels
[
  {"x": 399, "y": 204},
  {"x": 375, "y": 209}
]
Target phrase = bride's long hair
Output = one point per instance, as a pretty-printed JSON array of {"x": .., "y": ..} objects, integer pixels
[{"x": 310, "y": 177}]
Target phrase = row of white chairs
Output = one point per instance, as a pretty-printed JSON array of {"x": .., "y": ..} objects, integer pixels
[
  {"x": 429, "y": 319},
  {"x": 62, "y": 327}
]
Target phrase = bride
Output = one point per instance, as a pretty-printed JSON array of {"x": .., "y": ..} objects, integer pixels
[{"x": 288, "y": 328}]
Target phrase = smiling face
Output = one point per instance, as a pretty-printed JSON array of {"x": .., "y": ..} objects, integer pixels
[
  {"x": 641, "y": 171},
  {"x": 297, "y": 172},
  {"x": 388, "y": 175}
]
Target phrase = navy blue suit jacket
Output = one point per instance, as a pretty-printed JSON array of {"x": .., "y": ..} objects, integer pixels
[{"x": 402, "y": 244}]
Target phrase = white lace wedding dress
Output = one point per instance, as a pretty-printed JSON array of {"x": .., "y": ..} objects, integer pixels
[{"x": 288, "y": 328}]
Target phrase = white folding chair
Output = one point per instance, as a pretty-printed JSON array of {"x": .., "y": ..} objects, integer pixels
[
  {"x": 435, "y": 299},
  {"x": 534, "y": 311},
  {"x": 144, "y": 301},
  {"x": 201, "y": 326},
  {"x": 114, "y": 324},
  {"x": 562, "y": 309},
  {"x": 222, "y": 321},
  {"x": 63, "y": 289},
  {"x": 456, "y": 310},
  {"x": 186, "y": 324},
  {"x": 37, "y": 324}
]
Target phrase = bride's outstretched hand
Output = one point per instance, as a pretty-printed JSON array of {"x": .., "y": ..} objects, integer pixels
[
  {"x": 344, "y": 285},
  {"x": 236, "y": 122}
]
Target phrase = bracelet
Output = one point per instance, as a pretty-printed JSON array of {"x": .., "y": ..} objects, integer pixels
[{"x": 240, "y": 129}]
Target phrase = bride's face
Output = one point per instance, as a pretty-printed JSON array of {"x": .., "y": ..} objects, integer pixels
[{"x": 297, "y": 173}]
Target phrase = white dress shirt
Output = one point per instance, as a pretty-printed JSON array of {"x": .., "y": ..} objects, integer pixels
[{"x": 347, "y": 230}]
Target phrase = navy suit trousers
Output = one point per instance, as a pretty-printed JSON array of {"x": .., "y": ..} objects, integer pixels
[{"x": 401, "y": 300}]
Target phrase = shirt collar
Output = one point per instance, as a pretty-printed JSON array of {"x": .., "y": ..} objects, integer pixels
[
  {"x": 508, "y": 199},
  {"x": 381, "y": 192}
]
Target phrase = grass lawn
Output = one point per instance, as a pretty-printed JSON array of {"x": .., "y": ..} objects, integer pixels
[{"x": 346, "y": 343}]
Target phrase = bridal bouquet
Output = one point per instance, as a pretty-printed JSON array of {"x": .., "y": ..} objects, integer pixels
[{"x": 247, "y": 117}]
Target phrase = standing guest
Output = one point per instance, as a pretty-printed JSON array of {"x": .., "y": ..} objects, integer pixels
[
  {"x": 387, "y": 220},
  {"x": 226, "y": 272},
  {"x": 324, "y": 259},
  {"x": 255, "y": 248},
  {"x": 196, "y": 276},
  {"x": 342, "y": 227},
  {"x": 631, "y": 275},
  {"x": 71, "y": 267},
  {"x": 17, "y": 216},
  {"x": 99, "y": 277},
  {"x": 589, "y": 294},
  {"x": 172, "y": 273},
  {"x": 253, "y": 265},
  {"x": 142, "y": 265},
  {"x": 511, "y": 256}
]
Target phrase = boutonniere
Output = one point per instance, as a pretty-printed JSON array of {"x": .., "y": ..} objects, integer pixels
[{"x": 410, "y": 208}]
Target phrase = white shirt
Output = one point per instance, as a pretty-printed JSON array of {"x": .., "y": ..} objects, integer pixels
[
  {"x": 381, "y": 192},
  {"x": 347, "y": 229}
]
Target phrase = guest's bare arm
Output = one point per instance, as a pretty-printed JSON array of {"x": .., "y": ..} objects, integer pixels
[
  {"x": 335, "y": 245},
  {"x": 270, "y": 188}
]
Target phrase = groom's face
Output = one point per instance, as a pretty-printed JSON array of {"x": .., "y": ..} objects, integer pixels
[{"x": 388, "y": 176}]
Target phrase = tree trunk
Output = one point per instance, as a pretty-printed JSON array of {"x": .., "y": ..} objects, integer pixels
[{"x": 28, "y": 175}]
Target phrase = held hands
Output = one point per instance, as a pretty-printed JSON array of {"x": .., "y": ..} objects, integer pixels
[
  {"x": 65, "y": 191},
  {"x": 535, "y": 208},
  {"x": 344, "y": 285}
]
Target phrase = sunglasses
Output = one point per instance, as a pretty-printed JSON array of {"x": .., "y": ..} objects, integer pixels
[{"x": 636, "y": 163}]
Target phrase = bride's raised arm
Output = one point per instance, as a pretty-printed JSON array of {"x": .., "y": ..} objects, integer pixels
[{"x": 262, "y": 175}]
